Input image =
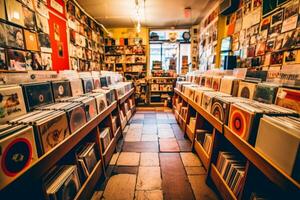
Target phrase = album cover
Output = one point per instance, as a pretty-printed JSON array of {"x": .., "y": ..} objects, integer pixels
[
  {"x": 241, "y": 121},
  {"x": 15, "y": 37},
  {"x": 276, "y": 58},
  {"x": 16, "y": 60},
  {"x": 51, "y": 131},
  {"x": 260, "y": 48},
  {"x": 105, "y": 138},
  {"x": 290, "y": 39},
  {"x": 229, "y": 85},
  {"x": 77, "y": 118},
  {"x": 87, "y": 85},
  {"x": 71, "y": 8},
  {"x": 29, "y": 18},
  {"x": 31, "y": 40},
  {"x": 277, "y": 18},
  {"x": 62, "y": 183},
  {"x": 3, "y": 63},
  {"x": 90, "y": 108},
  {"x": 46, "y": 61},
  {"x": 37, "y": 61},
  {"x": 12, "y": 103},
  {"x": 101, "y": 101},
  {"x": 61, "y": 89},
  {"x": 41, "y": 8},
  {"x": 96, "y": 83},
  {"x": 208, "y": 81},
  {"x": 74, "y": 64},
  {"x": 21, "y": 144},
  {"x": 42, "y": 24},
  {"x": 37, "y": 94},
  {"x": 86, "y": 158},
  {"x": 288, "y": 98},
  {"x": 216, "y": 83},
  {"x": 76, "y": 87},
  {"x": 265, "y": 93},
  {"x": 44, "y": 42},
  {"x": 251, "y": 51},
  {"x": 15, "y": 12},
  {"x": 3, "y": 34},
  {"x": 247, "y": 89},
  {"x": 290, "y": 16},
  {"x": 278, "y": 42}
]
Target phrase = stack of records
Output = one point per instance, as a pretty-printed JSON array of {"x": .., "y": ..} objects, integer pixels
[
  {"x": 86, "y": 158},
  {"x": 244, "y": 118},
  {"x": 229, "y": 85},
  {"x": 208, "y": 97},
  {"x": 76, "y": 87},
  {"x": 18, "y": 151},
  {"x": 50, "y": 127},
  {"x": 232, "y": 169},
  {"x": 105, "y": 139},
  {"x": 61, "y": 89},
  {"x": 199, "y": 94},
  {"x": 100, "y": 101},
  {"x": 265, "y": 93},
  {"x": 62, "y": 183},
  {"x": 278, "y": 138}
]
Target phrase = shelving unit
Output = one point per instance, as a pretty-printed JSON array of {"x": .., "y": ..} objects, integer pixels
[
  {"x": 36, "y": 172},
  {"x": 255, "y": 160},
  {"x": 164, "y": 89}
]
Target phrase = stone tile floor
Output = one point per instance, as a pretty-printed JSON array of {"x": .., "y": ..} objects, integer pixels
[{"x": 154, "y": 161}]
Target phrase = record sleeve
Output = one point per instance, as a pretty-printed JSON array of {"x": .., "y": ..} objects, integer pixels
[
  {"x": 37, "y": 94},
  {"x": 41, "y": 8},
  {"x": 3, "y": 63},
  {"x": 12, "y": 103},
  {"x": 28, "y": 3},
  {"x": 29, "y": 18},
  {"x": 31, "y": 40},
  {"x": 265, "y": 93},
  {"x": 90, "y": 108},
  {"x": 76, "y": 117},
  {"x": 20, "y": 144},
  {"x": 15, "y": 37},
  {"x": 51, "y": 131},
  {"x": 247, "y": 89},
  {"x": 16, "y": 60},
  {"x": 76, "y": 87},
  {"x": 44, "y": 42},
  {"x": 105, "y": 138},
  {"x": 15, "y": 12},
  {"x": 61, "y": 89},
  {"x": 288, "y": 98},
  {"x": 88, "y": 85},
  {"x": 46, "y": 61},
  {"x": 42, "y": 24}
]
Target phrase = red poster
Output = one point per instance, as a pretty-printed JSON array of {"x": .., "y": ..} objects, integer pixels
[{"x": 59, "y": 43}]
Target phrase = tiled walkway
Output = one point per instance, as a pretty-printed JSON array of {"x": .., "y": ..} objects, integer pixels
[{"x": 154, "y": 161}]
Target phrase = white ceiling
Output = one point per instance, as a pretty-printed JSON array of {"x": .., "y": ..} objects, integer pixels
[{"x": 155, "y": 13}]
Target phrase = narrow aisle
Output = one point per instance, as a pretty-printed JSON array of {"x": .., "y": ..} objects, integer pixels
[{"x": 154, "y": 161}]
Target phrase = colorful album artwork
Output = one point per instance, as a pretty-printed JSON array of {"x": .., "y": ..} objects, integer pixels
[
  {"x": 15, "y": 37},
  {"x": 3, "y": 64},
  {"x": 291, "y": 57},
  {"x": 15, "y": 12},
  {"x": 16, "y": 60},
  {"x": 29, "y": 18},
  {"x": 290, "y": 39},
  {"x": 290, "y": 16},
  {"x": 276, "y": 58},
  {"x": 3, "y": 34},
  {"x": 37, "y": 61},
  {"x": 31, "y": 40},
  {"x": 260, "y": 48},
  {"x": 46, "y": 61},
  {"x": 288, "y": 98},
  {"x": 44, "y": 43},
  {"x": 42, "y": 24},
  {"x": 29, "y": 61}
]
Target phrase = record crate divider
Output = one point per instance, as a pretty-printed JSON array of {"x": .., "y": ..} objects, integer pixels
[{"x": 256, "y": 161}]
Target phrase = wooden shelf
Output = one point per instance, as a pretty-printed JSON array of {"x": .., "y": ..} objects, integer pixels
[
  {"x": 209, "y": 117},
  {"x": 221, "y": 185},
  {"x": 190, "y": 133},
  {"x": 274, "y": 174},
  {"x": 126, "y": 96},
  {"x": 181, "y": 95},
  {"x": 107, "y": 155},
  {"x": 36, "y": 171},
  {"x": 87, "y": 189},
  {"x": 204, "y": 157}
]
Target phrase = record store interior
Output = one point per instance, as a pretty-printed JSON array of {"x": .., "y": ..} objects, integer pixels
[{"x": 150, "y": 99}]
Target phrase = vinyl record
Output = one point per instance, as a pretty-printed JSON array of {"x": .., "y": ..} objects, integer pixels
[
  {"x": 61, "y": 89},
  {"x": 88, "y": 85},
  {"x": 19, "y": 147},
  {"x": 218, "y": 111},
  {"x": 238, "y": 123},
  {"x": 90, "y": 109},
  {"x": 77, "y": 118}
]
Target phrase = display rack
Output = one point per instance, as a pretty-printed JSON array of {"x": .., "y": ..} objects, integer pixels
[
  {"x": 36, "y": 172},
  {"x": 256, "y": 163},
  {"x": 160, "y": 89}
]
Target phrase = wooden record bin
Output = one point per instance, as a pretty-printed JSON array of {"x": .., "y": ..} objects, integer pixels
[
  {"x": 261, "y": 175},
  {"x": 29, "y": 184}
]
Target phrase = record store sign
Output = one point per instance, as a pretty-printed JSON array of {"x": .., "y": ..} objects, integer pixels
[{"x": 284, "y": 76}]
